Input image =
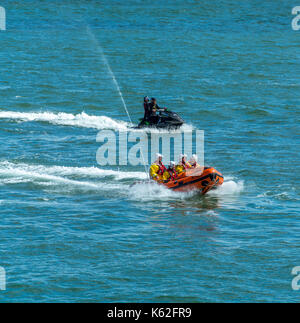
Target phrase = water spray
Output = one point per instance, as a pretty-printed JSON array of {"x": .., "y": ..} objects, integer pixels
[{"x": 112, "y": 75}]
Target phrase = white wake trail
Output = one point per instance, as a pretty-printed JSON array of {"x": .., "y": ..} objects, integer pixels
[
  {"x": 82, "y": 120},
  {"x": 90, "y": 172},
  {"x": 66, "y": 179}
]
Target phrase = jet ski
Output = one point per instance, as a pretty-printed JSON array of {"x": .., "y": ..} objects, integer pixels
[
  {"x": 203, "y": 179},
  {"x": 165, "y": 119}
]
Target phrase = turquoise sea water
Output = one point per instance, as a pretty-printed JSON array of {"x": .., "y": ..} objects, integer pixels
[{"x": 73, "y": 231}]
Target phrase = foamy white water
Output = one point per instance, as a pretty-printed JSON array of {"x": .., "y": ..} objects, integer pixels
[
  {"x": 94, "y": 178},
  {"x": 229, "y": 187},
  {"x": 9, "y": 168},
  {"x": 152, "y": 191},
  {"x": 66, "y": 119},
  {"x": 81, "y": 120}
]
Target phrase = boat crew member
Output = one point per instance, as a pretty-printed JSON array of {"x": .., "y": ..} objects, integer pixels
[
  {"x": 194, "y": 161},
  {"x": 170, "y": 174},
  {"x": 157, "y": 169},
  {"x": 147, "y": 111},
  {"x": 183, "y": 165}
]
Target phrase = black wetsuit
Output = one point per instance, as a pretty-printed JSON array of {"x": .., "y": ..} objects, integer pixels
[
  {"x": 147, "y": 112},
  {"x": 153, "y": 116}
]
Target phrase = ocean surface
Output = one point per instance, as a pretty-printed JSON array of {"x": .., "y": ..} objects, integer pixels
[{"x": 74, "y": 231}]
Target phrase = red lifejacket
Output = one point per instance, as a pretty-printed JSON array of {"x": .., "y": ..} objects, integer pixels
[
  {"x": 184, "y": 165},
  {"x": 162, "y": 169},
  {"x": 173, "y": 174}
]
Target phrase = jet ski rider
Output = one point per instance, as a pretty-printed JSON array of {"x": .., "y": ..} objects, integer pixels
[
  {"x": 154, "y": 108},
  {"x": 147, "y": 111},
  {"x": 158, "y": 169}
]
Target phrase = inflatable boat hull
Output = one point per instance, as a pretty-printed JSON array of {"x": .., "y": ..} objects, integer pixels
[{"x": 203, "y": 179}]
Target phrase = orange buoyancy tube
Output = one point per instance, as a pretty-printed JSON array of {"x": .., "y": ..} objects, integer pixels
[{"x": 195, "y": 180}]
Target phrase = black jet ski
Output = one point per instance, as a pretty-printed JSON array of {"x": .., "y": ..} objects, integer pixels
[{"x": 165, "y": 119}]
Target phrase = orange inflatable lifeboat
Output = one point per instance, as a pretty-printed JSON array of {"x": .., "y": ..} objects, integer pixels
[{"x": 200, "y": 178}]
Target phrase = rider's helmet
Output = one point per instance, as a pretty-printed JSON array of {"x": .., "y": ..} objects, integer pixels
[
  {"x": 172, "y": 164},
  {"x": 159, "y": 157}
]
